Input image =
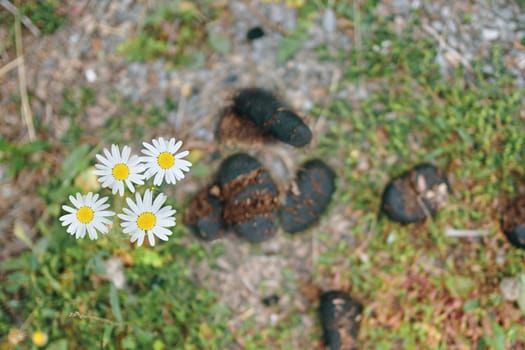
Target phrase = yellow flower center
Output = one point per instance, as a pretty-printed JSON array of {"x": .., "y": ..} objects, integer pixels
[
  {"x": 120, "y": 171},
  {"x": 85, "y": 215},
  {"x": 146, "y": 221},
  {"x": 39, "y": 338},
  {"x": 166, "y": 160}
]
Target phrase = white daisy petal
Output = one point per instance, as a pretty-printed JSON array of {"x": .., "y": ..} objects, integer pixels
[
  {"x": 99, "y": 226},
  {"x": 149, "y": 153},
  {"x": 151, "y": 238},
  {"x": 140, "y": 239},
  {"x": 147, "y": 216},
  {"x": 120, "y": 188},
  {"x": 184, "y": 163},
  {"x": 108, "y": 155},
  {"x": 171, "y": 178},
  {"x": 179, "y": 175},
  {"x": 177, "y": 146},
  {"x": 91, "y": 232},
  {"x": 86, "y": 215},
  {"x": 138, "y": 200},
  {"x": 158, "y": 178},
  {"x": 151, "y": 148},
  {"x": 102, "y": 213},
  {"x": 69, "y": 209},
  {"x": 103, "y": 160},
  {"x": 126, "y": 152},
  {"x": 161, "y": 231},
  {"x": 156, "y": 143},
  {"x": 130, "y": 186},
  {"x": 182, "y": 154},
  {"x": 81, "y": 232},
  {"x": 171, "y": 143},
  {"x": 159, "y": 201}
]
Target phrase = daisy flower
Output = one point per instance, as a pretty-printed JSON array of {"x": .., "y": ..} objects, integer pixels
[
  {"x": 162, "y": 161},
  {"x": 88, "y": 214},
  {"x": 147, "y": 216},
  {"x": 115, "y": 169}
]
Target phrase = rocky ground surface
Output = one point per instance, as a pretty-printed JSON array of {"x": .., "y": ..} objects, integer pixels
[{"x": 83, "y": 53}]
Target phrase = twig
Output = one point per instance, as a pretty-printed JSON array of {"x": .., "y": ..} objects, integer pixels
[
  {"x": 11, "y": 65},
  {"x": 265, "y": 21},
  {"x": 26, "y": 110},
  {"x": 247, "y": 285},
  {"x": 423, "y": 206},
  {"x": 358, "y": 42},
  {"x": 452, "y": 232},
  {"x": 80, "y": 316},
  {"x": 445, "y": 46},
  {"x": 332, "y": 89},
  {"x": 180, "y": 111},
  {"x": 27, "y": 22}
]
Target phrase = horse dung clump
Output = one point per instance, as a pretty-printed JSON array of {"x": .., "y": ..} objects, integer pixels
[
  {"x": 204, "y": 215},
  {"x": 513, "y": 222},
  {"x": 272, "y": 116},
  {"x": 416, "y": 194},
  {"x": 316, "y": 184},
  {"x": 340, "y": 317},
  {"x": 250, "y": 197}
]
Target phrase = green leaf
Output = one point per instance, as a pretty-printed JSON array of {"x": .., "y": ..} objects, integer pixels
[
  {"x": 21, "y": 234},
  {"x": 158, "y": 345},
  {"x": 147, "y": 257},
  {"x": 75, "y": 162},
  {"x": 290, "y": 45},
  {"x": 114, "y": 302},
  {"x": 471, "y": 304},
  {"x": 498, "y": 342},
  {"x": 51, "y": 280},
  {"x": 128, "y": 342},
  {"x": 60, "y": 344},
  {"x": 15, "y": 281},
  {"x": 200, "y": 170},
  {"x": 218, "y": 41},
  {"x": 106, "y": 337},
  {"x": 521, "y": 295},
  {"x": 15, "y": 263},
  {"x": 35, "y": 146},
  {"x": 459, "y": 286}
]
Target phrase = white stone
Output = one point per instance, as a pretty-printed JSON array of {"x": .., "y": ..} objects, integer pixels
[
  {"x": 329, "y": 20},
  {"x": 489, "y": 34},
  {"x": 91, "y": 76}
]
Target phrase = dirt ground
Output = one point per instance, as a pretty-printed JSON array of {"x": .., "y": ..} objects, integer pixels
[{"x": 83, "y": 53}]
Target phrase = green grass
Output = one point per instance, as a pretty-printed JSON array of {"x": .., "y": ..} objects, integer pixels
[
  {"x": 61, "y": 277},
  {"x": 58, "y": 285},
  {"x": 423, "y": 283},
  {"x": 46, "y": 15},
  {"x": 180, "y": 32},
  {"x": 420, "y": 288}
]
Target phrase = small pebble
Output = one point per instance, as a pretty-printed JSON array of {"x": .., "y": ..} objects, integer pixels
[
  {"x": 329, "y": 20},
  {"x": 489, "y": 34},
  {"x": 91, "y": 76},
  {"x": 510, "y": 288},
  {"x": 254, "y": 33},
  {"x": 270, "y": 300}
]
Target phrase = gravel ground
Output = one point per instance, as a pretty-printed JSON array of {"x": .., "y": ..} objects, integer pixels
[{"x": 82, "y": 53}]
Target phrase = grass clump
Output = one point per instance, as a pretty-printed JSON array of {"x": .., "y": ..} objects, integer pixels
[
  {"x": 62, "y": 288},
  {"x": 46, "y": 15},
  {"x": 176, "y": 31}
]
